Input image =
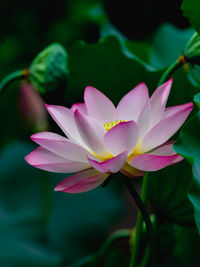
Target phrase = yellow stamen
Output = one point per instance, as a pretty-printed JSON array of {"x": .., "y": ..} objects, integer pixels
[
  {"x": 109, "y": 125},
  {"x": 103, "y": 158},
  {"x": 136, "y": 152}
]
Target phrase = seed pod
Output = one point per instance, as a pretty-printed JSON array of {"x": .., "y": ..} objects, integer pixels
[{"x": 49, "y": 68}]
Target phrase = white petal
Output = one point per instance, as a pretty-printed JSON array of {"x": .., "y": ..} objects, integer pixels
[
  {"x": 99, "y": 106},
  {"x": 162, "y": 131},
  {"x": 144, "y": 121},
  {"x": 60, "y": 146},
  {"x": 46, "y": 160},
  {"x": 122, "y": 137},
  {"x": 91, "y": 133},
  {"x": 131, "y": 105},
  {"x": 80, "y": 106},
  {"x": 158, "y": 102},
  {"x": 64, "y": 117}
]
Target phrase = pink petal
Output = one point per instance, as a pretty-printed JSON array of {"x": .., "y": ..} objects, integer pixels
[
  {"x": 122, "y": 137},
  {"x": 173, "y": 110},
  {"x": 162, "y": 131},
  {"x": 64, "y": 117},
  {"x": 147, "y": 162},
  {"x": 111, "y": 165},
  {"x": 144, "y": 121},
  {"x": 164, "y": 150},
  {"x": 80, "y": 106},
  {"x": 158, "y": 102},
  {"x": 91, "y": 133},
  {"x": 99, "y": 106},
  {"x": 131, "y": 104},
  {"x": 48, "y": 161},
  {"x": 60, "y": 146},
  {"x": 81, "y": 182}
]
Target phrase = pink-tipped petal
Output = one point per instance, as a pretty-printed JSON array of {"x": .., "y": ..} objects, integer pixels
[
  {"x": 91, "y": 133},
  {"x": 82, "y": 181},
  {"x": 99, "y": 106},
  {"x": 158, "y": 102},
  {"x": 164, "y": 150},
  {"x": 147, "y": 162},
  {"x": 60, "y": 146},
  {"x": 80, "y": 106},
  {"x": 122, "y": 137},
  {"x": 111, "y": 165},
  {"x": 144, "y": 121},
  {"x": 173, "y": 110},
  {"x": 132, "y": 104},
  {"x": 167, "y": 127},
  {"x": 48, "y": 161},
  {"x": 64, "y": 117}
]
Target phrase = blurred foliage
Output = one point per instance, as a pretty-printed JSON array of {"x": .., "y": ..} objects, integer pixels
[
  {"x": 42, "y": 228},
  {"x": 191, "y": 9},
  {"x": 32, "y": 235},
  {"x": 188, "y": 145}
]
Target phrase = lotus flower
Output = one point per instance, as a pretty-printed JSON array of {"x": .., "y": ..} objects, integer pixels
[{"x": 102, "y": 139}]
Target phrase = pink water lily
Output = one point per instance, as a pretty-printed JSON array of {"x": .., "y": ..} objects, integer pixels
[{"x": 101, "y": 139}]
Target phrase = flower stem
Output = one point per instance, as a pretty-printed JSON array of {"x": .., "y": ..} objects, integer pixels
[
  {"x": 170, "y": 70},
  {"x": 146, "y": 219},
  {"x": 135, "y": 240},
  {"x": 16, "y": 75}
]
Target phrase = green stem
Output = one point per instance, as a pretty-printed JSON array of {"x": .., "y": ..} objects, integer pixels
[
  {"x": 169, "y": 71},
  {"x": 145, "y": 216},
  {"x": 136, "y": 242},
  {"x": 16, "y": 75}
]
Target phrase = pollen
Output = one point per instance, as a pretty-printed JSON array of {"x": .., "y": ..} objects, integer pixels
[{"x": 109, "y": 125}]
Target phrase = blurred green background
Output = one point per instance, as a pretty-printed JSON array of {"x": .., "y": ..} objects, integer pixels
[{"x": 111, "y": 46}]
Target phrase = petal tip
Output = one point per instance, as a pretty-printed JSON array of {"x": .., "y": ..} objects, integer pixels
[{"x": 57, "y": 188}]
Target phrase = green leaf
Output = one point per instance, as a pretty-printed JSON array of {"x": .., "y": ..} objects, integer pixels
[
  {"x": 168, "y": 194},
  {"x": 160, "y": 52},
  {"x": 197, "y": 100},
  {"x": 164, "y": 52},
  {"x": 169, "y": 187},
  {"x": 191, "y": 10},
  {"x": 194, "y": 75},
  {"x": 105, "y": 66},
  {"x": 176, "y": 245},
  {"x": 188, "y": 145},
  {"x": 114, "y": 70}
]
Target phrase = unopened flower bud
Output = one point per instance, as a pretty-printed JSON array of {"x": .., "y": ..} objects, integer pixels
[
  {"x": 192, "y": 49},
  {"x": 32, "y": 108}
]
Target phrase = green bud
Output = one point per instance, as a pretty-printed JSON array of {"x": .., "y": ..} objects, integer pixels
[
  {"x": 49, "y": 68},
  {"x": 192, "y": 57},
  {"x": 192, "y": 49}
]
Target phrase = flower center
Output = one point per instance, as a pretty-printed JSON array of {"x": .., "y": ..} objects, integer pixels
[{"x": 108, "y": 125}]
